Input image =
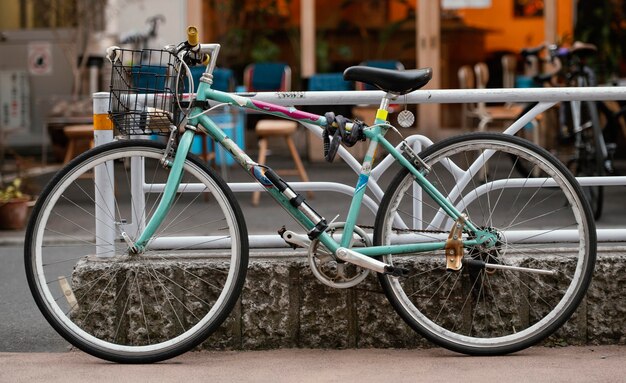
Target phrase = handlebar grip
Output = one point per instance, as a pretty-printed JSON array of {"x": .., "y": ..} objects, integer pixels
[{"x": 192, "y": 35}]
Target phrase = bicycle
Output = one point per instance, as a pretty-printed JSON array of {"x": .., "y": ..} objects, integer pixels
[
  {"x": 581, "y": 143},
  {"x": 486, "y": 263}
]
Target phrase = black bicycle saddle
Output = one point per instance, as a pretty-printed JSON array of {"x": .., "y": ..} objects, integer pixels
[
  {"x": 581, "y": 49},
  {"x": 393, "y": 81}
]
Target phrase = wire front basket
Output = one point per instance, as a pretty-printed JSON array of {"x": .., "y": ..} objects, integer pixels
[{"x": 144, "y": 87}]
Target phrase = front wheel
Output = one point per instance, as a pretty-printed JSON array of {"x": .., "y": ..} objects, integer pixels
[
  {"x": 540, "y": 219},
  {"x": 126, "y": 307}
]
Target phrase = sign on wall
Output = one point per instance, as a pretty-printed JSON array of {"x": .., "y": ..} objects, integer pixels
[
  {"x": 40, "y": 58},
  {"x": 14, "y": 100}
]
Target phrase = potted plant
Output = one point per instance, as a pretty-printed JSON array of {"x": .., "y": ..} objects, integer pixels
[{"x": 13, "y": 206}]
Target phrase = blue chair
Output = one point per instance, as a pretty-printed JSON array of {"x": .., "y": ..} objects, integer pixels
[
  {"x": 267, "y": 77},
  {"x": 329, "y": 81},
  {"x": 223, "y": 78},
  {"x": 148, "y": 78},
  {"x": 151, "y": 79}
]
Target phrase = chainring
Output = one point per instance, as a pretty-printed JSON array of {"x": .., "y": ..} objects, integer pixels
[{"x": 334, "y": 272}]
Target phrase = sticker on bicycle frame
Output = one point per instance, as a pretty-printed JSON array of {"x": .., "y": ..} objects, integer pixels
[
  {"x": 292, "y": 95},
  {"x": 259, "y": 174},
  {"x": 289, "y": 112},
  {"x": 362, "y": 182}
]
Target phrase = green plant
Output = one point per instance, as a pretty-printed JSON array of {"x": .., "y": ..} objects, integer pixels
[
  {"x": 250, "y": 32},
  {"x": 12, "y": 191},
  {"x": 14, "y": 205},
  {"x": 265, "y": 50},
  {"x": 600, "y": 22}
]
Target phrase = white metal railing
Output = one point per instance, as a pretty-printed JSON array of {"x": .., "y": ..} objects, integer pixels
[{"x": 544, "y": 97}]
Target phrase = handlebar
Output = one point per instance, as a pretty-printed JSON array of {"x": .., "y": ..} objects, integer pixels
[
  {"x": 194, "y": 53},
  {"x": 554, "y": 57},
  {"x": 573, "y": 57}
]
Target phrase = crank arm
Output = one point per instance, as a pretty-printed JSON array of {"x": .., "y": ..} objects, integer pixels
[
  {"x": 370, "y": 263},
  {"x": 294, "y": 239}
]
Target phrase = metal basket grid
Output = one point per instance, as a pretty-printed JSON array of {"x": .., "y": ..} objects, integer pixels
[{"x": 143, "y": 91}]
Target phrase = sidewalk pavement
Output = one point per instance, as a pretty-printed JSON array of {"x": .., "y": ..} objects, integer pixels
[{"x": 537, "y": 364}]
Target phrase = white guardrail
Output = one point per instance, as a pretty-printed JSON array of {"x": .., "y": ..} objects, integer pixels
[{"x": 544, "y": 97}]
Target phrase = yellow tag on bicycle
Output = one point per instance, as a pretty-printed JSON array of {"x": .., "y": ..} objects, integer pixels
[{"x": 381, "y": 114}]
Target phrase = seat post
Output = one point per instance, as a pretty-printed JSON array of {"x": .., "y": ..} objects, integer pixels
[
  {"x": 384, "y": 103},
  {"x": 383, "y": 109}
]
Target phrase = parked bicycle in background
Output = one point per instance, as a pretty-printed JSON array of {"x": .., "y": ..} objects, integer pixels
[{"x": 580, "y": 136}]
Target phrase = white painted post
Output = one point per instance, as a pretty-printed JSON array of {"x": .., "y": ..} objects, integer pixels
[
  {"x": 138, "y": 196},
  {"x": 103, "y": 179}
]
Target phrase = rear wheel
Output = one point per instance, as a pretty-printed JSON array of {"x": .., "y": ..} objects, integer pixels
[
  {"x": 125, "y": 307},
  {"x": 542, "y": 224}
]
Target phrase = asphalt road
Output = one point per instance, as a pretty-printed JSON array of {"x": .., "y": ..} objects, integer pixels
[{"x": 22, "y": 327}]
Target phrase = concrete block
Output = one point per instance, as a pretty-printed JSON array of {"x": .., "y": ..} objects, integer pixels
[{"x": 283, "y": 306}]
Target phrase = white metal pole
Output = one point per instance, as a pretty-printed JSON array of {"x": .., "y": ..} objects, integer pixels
[
  {"x": 103, "y": 179},
  {"x": 446, "y": 96}
]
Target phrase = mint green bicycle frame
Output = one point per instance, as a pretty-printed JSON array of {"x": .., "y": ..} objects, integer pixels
[{"x": 376, "y": 136}]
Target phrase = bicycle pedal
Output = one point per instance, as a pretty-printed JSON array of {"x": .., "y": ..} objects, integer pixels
[{"x": 396, "y": 271}]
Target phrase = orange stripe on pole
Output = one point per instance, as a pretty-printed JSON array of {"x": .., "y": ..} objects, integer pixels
[{"x": 102, "y": 122}]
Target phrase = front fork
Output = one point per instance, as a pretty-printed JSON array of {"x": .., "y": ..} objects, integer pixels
[{"x": 173, "y": 181}]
